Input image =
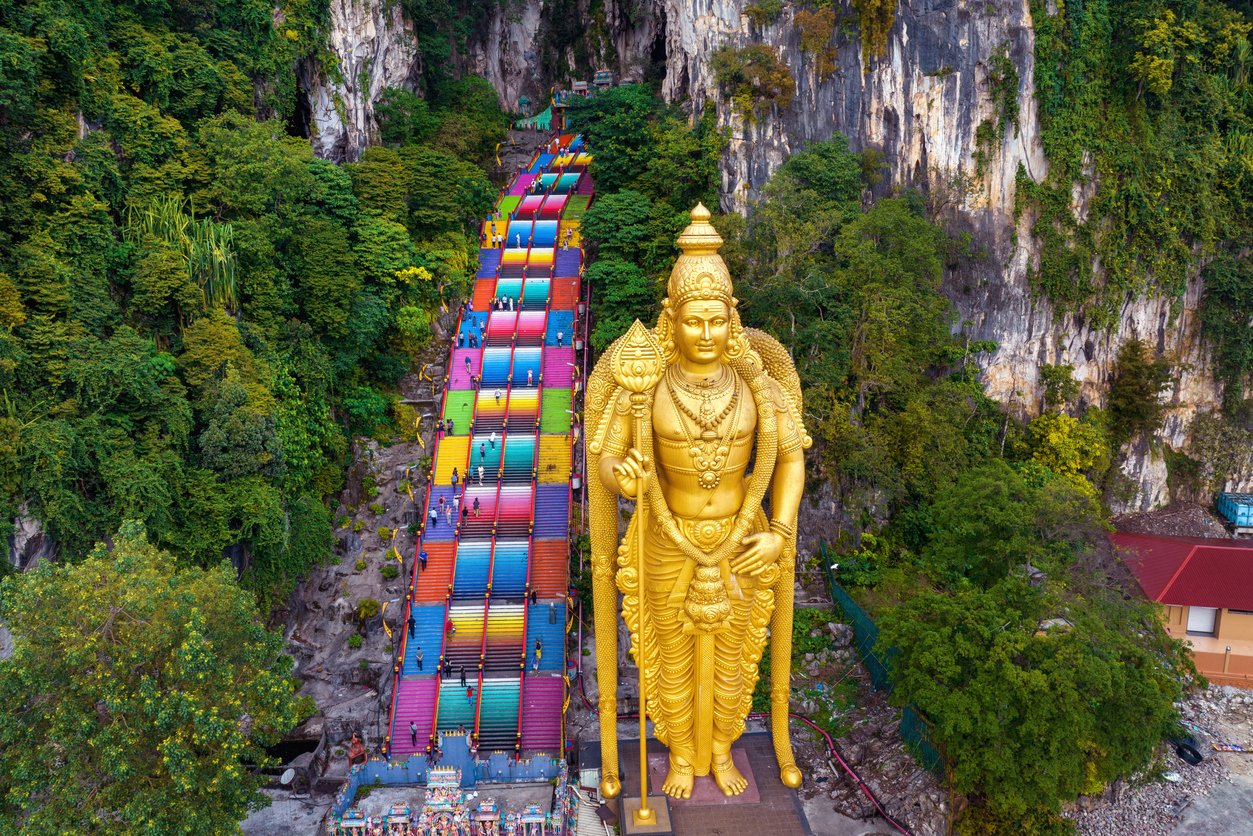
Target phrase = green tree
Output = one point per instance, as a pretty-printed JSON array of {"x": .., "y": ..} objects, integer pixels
[
  {"x": 1135, "y": 403},
  {"x": 159, "y": 684},
  {"x": 977, "y": 662},
  {"x": 613, "y": 123},
  {"x": 238, "y": 440},
  {"x": 994, "y": 521},
  {"x": 1224, "y": 318},
  {"x": 626, "y": 294}
]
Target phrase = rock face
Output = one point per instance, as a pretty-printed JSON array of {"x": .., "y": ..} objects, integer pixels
[
  {"x": 920, "y": 105},
  {"x": 376, "y": 49},
  {"x": 29, "y": 543}
]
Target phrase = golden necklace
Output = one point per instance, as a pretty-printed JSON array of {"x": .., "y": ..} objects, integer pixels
[
  {"x": 707, "y": 394},
  {"x": 710, "y": 453}
]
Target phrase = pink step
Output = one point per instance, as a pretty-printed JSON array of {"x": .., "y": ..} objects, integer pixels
[
  {"x": 415, "y": 700},
  {"x": 557, "y": 369},
  {"x": 458, "y": 377},
  {"x": 542, "y": 698}
]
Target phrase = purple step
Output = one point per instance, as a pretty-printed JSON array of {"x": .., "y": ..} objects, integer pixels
[
  {"x": 542, "y": 698},
  {"x": 415, "y": 700},
  {"x": 567, "y": 262}
]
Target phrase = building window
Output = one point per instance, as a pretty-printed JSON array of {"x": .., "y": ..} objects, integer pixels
[
  {"x": 1201, "y": 621},
  {"x": 1241, "y": 612}
]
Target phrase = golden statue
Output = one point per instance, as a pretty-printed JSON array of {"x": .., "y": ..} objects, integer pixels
[{"x": 678, "y": 413}]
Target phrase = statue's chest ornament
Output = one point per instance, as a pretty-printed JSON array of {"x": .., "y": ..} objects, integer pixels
[{"x": 709, "y": 452}]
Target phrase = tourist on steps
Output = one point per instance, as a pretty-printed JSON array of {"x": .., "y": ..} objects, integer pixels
[
  {"x": 413, "y": 734},
  {"x": 413, "y": 625},
  {"x": 418, "y": 656}
]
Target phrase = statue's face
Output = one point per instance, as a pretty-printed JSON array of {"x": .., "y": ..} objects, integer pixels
[{"x": 702, "y": 330}]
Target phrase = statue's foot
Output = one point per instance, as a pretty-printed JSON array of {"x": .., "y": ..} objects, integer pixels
[
  {"x": 790, "y": 775},
  {"x": 610, "y": 785},
  {"x": 679, "y": 780},
  {"x": 727, "y": 776}
]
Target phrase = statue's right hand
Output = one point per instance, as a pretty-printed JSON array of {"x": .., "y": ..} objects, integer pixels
[{"x": 629, "y": 473}]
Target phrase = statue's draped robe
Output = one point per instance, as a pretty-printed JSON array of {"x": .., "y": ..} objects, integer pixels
[{"x": 700, "y": 684}]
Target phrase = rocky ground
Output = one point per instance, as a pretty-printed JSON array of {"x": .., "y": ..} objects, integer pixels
[
  {"x": 1173, "y": 794},
  {"x": 1179, "y": 519},
  {"x": 349, "y": 678},
  {"x": 832, "y": 686}
]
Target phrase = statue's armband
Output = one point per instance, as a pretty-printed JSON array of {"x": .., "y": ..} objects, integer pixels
[
  {"x": 789, "y": 433},
  {"x": 618, "y": 434}
]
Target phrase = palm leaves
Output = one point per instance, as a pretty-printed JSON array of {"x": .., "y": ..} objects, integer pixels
[{"x": 207, "y": 247}]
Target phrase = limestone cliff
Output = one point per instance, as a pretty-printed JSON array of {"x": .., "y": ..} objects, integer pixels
[
  {"x": 374, "y": 48},
  {"x": 920, "y": 105}
]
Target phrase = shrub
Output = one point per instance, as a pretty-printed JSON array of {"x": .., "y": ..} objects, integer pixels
[
  {"x": 390, "y": 571},
  {"x": 355, "y": 641},
  {"x": 392, "y": 554},
  {"x": 817, "y": 28},
  {"x": 368, "y": 608},
  {"x": 377, "y": 509},
  {"x": 406, "y": 418},
  {"x": 384, "y": 532},
  {"x": 358, "y": 526},
  {"x": 1135, "y": 403},
  {"x": 754, "y": 79},
  {"x": 359, "y": 565},
  {"x": 764, "y": 12}
]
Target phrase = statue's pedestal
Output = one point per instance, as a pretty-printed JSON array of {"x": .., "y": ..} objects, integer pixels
[
  {"x": 659, "y": 826},
  {"x": 765, "y": 806}
]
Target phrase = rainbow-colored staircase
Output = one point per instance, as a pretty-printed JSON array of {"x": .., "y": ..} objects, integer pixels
[{"x": 494, "y": 587}]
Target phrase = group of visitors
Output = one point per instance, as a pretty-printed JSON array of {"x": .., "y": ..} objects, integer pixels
[{"x": 474, "y": 333}]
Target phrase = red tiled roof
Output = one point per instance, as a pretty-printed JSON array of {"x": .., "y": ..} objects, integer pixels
[{"x": 1190, "y": 571}]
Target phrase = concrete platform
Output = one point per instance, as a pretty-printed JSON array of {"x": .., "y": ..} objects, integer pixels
[{"x": 766, "y": 807}]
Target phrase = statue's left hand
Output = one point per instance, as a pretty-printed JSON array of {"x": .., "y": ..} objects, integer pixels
[{"x": 761, "y": 551}]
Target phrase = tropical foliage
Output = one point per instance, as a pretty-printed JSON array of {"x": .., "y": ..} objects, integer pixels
[
  {"x": 195, "y": 312},
  {"x": 130, "y": 671}
]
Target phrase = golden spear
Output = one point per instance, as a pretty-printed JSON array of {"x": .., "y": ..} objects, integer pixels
[{"x": 639, "y": 365}]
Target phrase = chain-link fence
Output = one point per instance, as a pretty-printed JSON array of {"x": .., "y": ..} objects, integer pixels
[{"x": 914, "y": 729}]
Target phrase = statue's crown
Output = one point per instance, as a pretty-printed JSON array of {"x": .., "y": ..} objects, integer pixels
[{"x": 699, "y": 272}]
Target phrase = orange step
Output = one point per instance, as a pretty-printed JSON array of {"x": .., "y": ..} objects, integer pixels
[
  {"x": 549, "y": 561},
  {"x": 565, "y": 294},
  {"x": 484, "y": 291},
  {"x": 433, "y": 583}
]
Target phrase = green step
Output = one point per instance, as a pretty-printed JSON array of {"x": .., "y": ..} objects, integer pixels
[
  {"x": 458, "y": 407},
  {"x": 553, "y": 415},
  {"x": 454, "y": 710},
  {"x": 576, "y": 206},
  {"x": 510, "y": 202}
]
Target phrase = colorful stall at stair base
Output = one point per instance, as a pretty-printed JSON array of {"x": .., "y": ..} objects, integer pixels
[
  {"x": 489, "y": 608},
  {"x": 447, "y": 808}
]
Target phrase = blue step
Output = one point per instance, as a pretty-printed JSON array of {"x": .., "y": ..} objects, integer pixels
[
  {"x": 470, "y": 580},
  {"x": 489, "y": 260},
  {"x": 429, "y": 635},
  {"x": 526, "y": 358},
  {"x": 509, "y": 568},
  {"x": 559, "y": 321},
  {"x": 552, "y": 635}
]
